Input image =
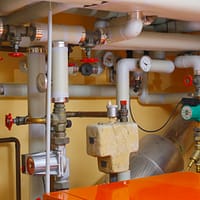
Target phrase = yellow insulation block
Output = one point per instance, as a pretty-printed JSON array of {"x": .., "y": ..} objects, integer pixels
[{"x": 112, "y": 143}]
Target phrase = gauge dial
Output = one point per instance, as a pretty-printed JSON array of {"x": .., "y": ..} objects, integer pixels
[
  {"x": 186, "y": 112},
  {"x": 145, "y": 63},
  {"x": 41, "y": 82}
]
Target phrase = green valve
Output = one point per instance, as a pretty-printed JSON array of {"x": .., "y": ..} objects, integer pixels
[{"x": 191, "y": 113}]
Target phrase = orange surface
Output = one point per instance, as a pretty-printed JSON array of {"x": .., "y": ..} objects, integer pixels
[{"x": 174, "y": 186}]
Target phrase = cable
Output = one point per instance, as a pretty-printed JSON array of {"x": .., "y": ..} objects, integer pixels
[{"x": 158, "y": 129}]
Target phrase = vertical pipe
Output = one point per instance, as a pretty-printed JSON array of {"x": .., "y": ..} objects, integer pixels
[
  {"x": 124, "y": 66},
  {"x": 48, "y": 105},
  {"x": 36, "y": 109}
]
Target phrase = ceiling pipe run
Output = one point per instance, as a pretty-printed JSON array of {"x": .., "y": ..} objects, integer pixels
[{"x": 154, "y": 41}]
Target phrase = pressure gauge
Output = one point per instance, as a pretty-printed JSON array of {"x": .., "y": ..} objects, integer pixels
[
  {"x": 109, "y": 59},
  {"x": 145, "y": 63},
  {"x": 186, "y": 112},
  {"x": 41, "y": 82}
]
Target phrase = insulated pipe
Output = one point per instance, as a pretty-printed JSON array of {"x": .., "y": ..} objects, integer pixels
[
  {"x": 70, "y": 34},
  {"x": 126, "y": 31},
  {"x": 151, "y": 65},
  {"x": 60, "y": 91},
  {"x": 124, "y": 66},
  {"x": 36, "y": 109},
  {"x": 147, "y": 98},
  {"x": 156, "y": 42},
  {"x": 17, "y": 163},
  {"x": 187, "y": 61}
]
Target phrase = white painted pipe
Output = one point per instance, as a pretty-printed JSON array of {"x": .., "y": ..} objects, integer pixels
[
  {"x": 151, "y": 65},
  {"x": 124, "y": 66},
  {"x": 36, "y": 109},
  {"x": 165, "y": 98},
  {"x": 37, "y": 64},
  {"x": 131, "y": 29},
  {"x": 13, "y": 90},
  {"x": 187, "y": 61},
  {"x": 70, "y": 34},
  {"x": 48, "y": 103},
  {"x": 60, "y": 72},
  {"x": 156, "y": 42}
]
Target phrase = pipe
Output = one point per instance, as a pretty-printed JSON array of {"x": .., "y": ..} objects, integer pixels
[
  {"x": 166, "y": 98},
  {"x": 179, "y": 9},
  {"x": 48, "y": 103},
  {"x": 153, "y": 41},
  {"x": 124, "y": 66},
  {"x": 60, "y": 91},
  {"x": 187, "y": 61},
  {"x": 70, "y": 34},
  {"x": 36, "y": 59},
  {"x": 33, "y": 12},
  {"x": 161, "y": 66},
  {"x": 86, "y": 114},
  {"x": 132, "y": 28},
  {"x": 17, "y": 163},
  {"x": 160, "y": 154}
]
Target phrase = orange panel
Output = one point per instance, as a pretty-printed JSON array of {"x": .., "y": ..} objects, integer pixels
[{"x": 174, "y": 186}]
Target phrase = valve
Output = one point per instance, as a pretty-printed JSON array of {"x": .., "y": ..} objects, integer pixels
[
  {"x": 9, "y": 121},
  {"x": 16, "y": 54},
  {"x": 188, "y": 80}
]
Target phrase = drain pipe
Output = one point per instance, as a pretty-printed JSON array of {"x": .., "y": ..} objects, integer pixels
[{"x": 17, "y": 163}]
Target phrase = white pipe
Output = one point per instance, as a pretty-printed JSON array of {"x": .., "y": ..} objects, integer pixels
[
  {"x": 124, "y": 66},
  {"x": 157, "y": 42},
  {"x": 131, "y": 29},
  {"x": 151, "y": 65},
  {"x": 187, "y": 61},
  {"x": 48, "y": 104},
  {"x": 36, "y": 109},
  {"x": 70, "y": 34},
  {"x": 60, "y": 91},
  {"x": 13, "y": 90},
  {"x": 147, "y": 98}
]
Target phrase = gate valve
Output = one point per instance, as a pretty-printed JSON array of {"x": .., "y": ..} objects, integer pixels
[
  {"x": 9, "y": 121},
  {"x": 16, "y": 54},
  {"x": 188, "y": 80}
]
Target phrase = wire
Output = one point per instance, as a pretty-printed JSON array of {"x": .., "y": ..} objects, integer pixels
[{"x": 158, "y": 129}]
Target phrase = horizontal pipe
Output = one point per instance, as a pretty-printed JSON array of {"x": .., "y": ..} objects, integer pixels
[
  {"x": 86, "y": 114},
  {"x": 156, "y": 42},
  {"x": 187, "y": 61},
  {"x": 17, "y": 163}
]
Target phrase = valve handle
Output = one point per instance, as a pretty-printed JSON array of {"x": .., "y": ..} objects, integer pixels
[
  {"x": 1, "y": 58},
  {"x": 90, "y": 60},
  {"x": 16, "y": 54},
  {"x": 9, "y": 121},
  {"x": 188, "y": 80}
]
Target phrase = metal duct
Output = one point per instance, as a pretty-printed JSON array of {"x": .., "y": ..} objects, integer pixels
[{"x": 160, "y": 154}]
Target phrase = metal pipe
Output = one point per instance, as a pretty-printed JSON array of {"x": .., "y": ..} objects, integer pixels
[
  {"x": 17, "y": 161},
  {"x": 160, "y": 154},
  {"x": 48, "y": 103},
  {"x": 86, "y": 114}
]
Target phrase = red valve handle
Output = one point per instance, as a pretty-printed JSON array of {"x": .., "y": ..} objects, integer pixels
[
  {"x": 1, "y": 58},
  {"x": 188, "y": 80},
  {"x": 9, "y": 121},
  {"x": 123, "y": 102},
  {"x": 90, "y": 60},
  {"x": 16, "y": 54}
]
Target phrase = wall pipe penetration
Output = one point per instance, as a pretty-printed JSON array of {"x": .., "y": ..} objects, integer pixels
[
  {"x": 163, "y": 153},
  {"x": 17, "y": 163}
]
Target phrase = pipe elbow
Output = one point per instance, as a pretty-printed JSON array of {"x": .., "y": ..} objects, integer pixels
[
  {"x": 187, "y": 61},
  {"x": 132, "y": 29}
]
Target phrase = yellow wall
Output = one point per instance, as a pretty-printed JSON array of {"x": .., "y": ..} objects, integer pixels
[{"x": 83, "y": 168}]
